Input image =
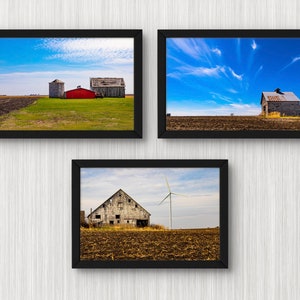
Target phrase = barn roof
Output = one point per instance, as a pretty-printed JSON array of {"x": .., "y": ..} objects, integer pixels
[
  {"x": 278, "y": 97},
  {"x": 80, "y": 89},
  {"x": 107, "y": 82},
  {"x": 118, "y": 191}
]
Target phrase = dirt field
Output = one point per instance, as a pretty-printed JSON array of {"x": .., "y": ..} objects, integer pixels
[
  {"x": 10, "y": 103},
  {"x": 191, "y": 244},
  {"x": 234, "y": 123}
]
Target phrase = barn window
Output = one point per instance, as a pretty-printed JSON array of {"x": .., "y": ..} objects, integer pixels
[
  {"x": 111, "y": 222},
  {"x": 98, "y": 216},
  {"x": 120, "y": 204},
  {"x": 117, "y": 216},
  {"x": 129, "y": 200},
  {"x": 127, "y": 222},
  {"x": 118, "y": 221},
  {"x": 136, "y": 206}
]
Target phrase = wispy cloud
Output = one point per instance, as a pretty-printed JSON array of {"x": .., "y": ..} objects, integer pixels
[
  {"x": 197, "y": 71},
  {"x": 232, "y": 91},
  {"x": 235, "y": 75},
  {"x": 295, "y": 59},
  {"x": 217, "y": 51},
  {"x": 219, "y": 96},
  {"x": 175, "y": 75},
  {"x": 196, "y": 48},
  {"x": 187, "y": 46},
  {"x": 258, "y": 71},
  {"x": 210, "y": 72}
]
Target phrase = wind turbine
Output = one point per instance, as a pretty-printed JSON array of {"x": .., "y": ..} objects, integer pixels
[{"x": 170, "y": 201}]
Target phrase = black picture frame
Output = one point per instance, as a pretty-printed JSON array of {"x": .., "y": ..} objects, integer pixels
[
  {"x": 136, "y": 35},
  {"x": 222, "y": 178},
  {"x": 164, "y": 34}
]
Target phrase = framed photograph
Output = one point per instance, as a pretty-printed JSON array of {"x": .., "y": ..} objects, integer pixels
[
  {"x": 70, "y": 83},
  {"x": 150, "y": 214},
  {"x": 228, "y": 84}
]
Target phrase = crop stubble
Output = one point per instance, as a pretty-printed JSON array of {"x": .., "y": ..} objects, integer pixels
[{"x": 183, "y": 244}]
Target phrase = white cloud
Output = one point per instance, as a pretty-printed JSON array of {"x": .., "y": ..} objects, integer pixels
[
  {"x": 258, "y": 71},
  {"x": 217, "y": 51},
  {"x": 211, "y": 72},
  {"x": 175, "y": 75},
  {"x": 219, "y": 96},
  {"x": 196, "y": 48},
  {"x": 105, "y": 50},
  {"x": 202, "y": 71},
  {"x": 235, "y": 75},
  {"x": 232, "y": 91},
  {"x": 187, "y": 45},
  {"x": 253, "y": 45},
  {"x": 295, "y": 59},
  {"x": 188, "y": 70}
]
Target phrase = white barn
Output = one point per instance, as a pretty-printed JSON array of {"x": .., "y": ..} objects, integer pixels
[{"x": 119, "y": 209}]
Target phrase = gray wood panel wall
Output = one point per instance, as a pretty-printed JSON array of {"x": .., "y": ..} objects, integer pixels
[{"x": 35, "y": 175}]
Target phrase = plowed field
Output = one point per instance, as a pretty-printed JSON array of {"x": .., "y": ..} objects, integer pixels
[
  {"x": 10, "y": 103},
  {"x": 234, "y": 123},
  {"x": 183, "y": 244}
]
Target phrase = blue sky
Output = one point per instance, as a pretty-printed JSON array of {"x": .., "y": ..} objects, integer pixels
[
  {"x": 27, "y": 65},
  {"x": 220, "y": 76},
  {"x": 198, "y": 208}
]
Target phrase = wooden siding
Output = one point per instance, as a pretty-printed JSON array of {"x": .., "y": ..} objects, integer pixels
[
  {"x": 119, "y": 209},
  {"x": 80, "y": 93},
  {"x": 56, "y": 89}
]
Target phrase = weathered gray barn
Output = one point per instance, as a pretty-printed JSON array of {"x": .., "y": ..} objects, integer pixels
[
  {"x": 108, "y": 87},
  {"x": 120, "y": 208},
  {"x": 56, "y": 89},
  {"x": 286, "y": 103}
]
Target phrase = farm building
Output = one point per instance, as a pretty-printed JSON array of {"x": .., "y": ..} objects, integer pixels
[
  {"x": 108, "y": 87},
  {"x": 56, "y": 89},
  {"x": 120, "y": 208},
  {"x": 286, "y": 103},
  {"x": 79, "y": 93}
]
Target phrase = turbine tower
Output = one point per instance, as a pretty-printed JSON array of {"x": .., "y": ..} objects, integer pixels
[{"x": 169, "y": 195}]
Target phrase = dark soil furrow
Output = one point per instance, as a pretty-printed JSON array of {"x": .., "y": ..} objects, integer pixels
[{"x": 8, "y": 104}]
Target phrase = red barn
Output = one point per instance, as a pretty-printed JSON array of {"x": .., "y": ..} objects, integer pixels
[{"x": 80, "y": 93}]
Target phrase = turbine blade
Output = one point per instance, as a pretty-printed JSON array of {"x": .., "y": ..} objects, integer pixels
[
  {"x": 168, "y": 185},
  {"x": 179, "y": 194},
  {"x": 164, "y": 199}
]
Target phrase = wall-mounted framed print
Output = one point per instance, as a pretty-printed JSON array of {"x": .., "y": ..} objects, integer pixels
[
  {"x": 228, "y": 84},
  {"x": 149, "y": 213},
  {"x": 71, "y": 83}
]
